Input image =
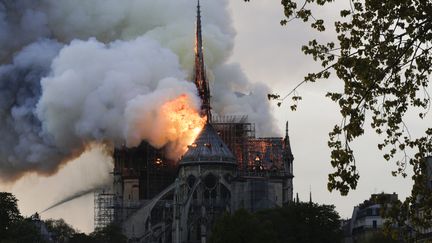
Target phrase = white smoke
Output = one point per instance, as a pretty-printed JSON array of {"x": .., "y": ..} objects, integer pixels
[
  {"x": 243, "y": 98},
  {"x": 91, "y": 86},
  {"x": 118, "y": 62}
]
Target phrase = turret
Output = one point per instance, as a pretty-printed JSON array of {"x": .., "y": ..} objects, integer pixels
[
  {"x": 288, "y": 156},
  {"x": 288, "y": 159}
]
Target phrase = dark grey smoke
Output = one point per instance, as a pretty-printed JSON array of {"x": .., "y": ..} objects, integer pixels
[
  {"x": 21, "y": 23},
  {"x": 21, "y": 132}
]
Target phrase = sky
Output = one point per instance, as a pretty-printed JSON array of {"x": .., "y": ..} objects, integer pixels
[
  {"x": 271, "y": 53},
  {"x": 268, "y": 53}
]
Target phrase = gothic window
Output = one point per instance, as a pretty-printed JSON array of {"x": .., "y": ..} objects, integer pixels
[
  {"x": 210, "y": 181},
  {"x": 190, "y": 181}
]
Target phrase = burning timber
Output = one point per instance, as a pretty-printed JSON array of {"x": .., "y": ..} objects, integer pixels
[{"x": 157, "y": 199}]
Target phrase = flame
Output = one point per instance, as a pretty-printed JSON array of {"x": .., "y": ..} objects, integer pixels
[{"x": 183, "y": 122}]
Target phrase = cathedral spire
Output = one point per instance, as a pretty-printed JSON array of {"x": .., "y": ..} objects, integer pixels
[{"x": 200, "y": 78}]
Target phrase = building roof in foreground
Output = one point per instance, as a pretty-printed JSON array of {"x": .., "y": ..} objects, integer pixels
[{"x": 208, "y": 148}]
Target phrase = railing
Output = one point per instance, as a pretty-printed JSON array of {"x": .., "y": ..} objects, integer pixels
[{"x": 264, "y": 173}]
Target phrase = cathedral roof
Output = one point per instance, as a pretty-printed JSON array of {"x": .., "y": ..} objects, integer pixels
[{"x": 208, "y": 148}]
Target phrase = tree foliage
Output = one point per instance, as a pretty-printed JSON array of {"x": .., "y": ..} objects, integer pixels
[
  {"x": 378, "y": 237},
  {"x": 23, "y": 231},
  {"x": 9, "y": 213},
  {"x": 242, "y": 227},
  {"x": 382, "y": 55},
  {"x": 81, "y": 238},
  {"x": 62, "y": 231},
  {"x": 304, "y": 222},
  {"x": 109, "y": 234},
  {"x": 14, "y": 227},
  {"x": 293, "y": 223}
]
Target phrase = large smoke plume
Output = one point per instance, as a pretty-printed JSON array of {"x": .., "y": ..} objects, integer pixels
[{"x": 79, "y": 72}]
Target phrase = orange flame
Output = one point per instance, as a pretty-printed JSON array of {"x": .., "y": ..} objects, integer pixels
[{"x": 184, "y": 122}]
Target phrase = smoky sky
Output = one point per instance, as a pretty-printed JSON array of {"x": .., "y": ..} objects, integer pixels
[
  {"x": 23, "y": 145},
  {"x": 76, "y": 72}
]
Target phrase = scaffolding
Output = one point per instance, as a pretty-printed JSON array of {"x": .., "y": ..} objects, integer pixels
[
  {"x": 148, "y": 165},
  {"x": 104, "y": 208},
  {"x": 252, "y": 153},
  {"x": 235, "y": 131},
  {"x": 148, "y": 172}
]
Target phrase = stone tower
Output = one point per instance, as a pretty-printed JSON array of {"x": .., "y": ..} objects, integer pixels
[{"x": 204, "y": 186}]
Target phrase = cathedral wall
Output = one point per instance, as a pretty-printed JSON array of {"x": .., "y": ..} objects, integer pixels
[
  {"x": 256, "y": 193},
  {"x": 131, "y": 190}
]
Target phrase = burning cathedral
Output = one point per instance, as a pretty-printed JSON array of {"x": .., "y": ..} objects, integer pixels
[{"x": 156, "y": 199}]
